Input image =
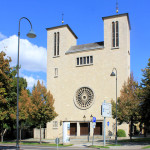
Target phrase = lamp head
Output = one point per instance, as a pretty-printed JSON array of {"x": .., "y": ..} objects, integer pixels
[
  {"x": 31, "y": 34},
  {"x": 112, "y": 74}
]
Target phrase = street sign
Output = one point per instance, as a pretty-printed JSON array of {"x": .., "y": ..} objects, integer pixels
[
  {"x": 108, "y": 123},
  {"x": 94, "y": 119},
  {"x": 94, "y": 124},
  {"x": 57, "y": 140},
  {"x": 106, "y": 109}
]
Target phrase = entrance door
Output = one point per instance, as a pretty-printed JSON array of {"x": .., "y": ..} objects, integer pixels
[
  {"x": 98, "y": 129},
  {"x": 73, "y": 129},
  {"x": 84, "y": 128}
]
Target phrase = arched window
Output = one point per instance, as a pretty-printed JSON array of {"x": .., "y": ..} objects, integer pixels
[
  {"x": 56, "y": 43},
  {"x": 115, "y": 34}
]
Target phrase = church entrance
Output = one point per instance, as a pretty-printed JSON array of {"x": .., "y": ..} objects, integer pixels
[
  {"x": 84, "y": 128},
  {"x": 98, "y": 129},
  {"x": 73, "y": 129}
]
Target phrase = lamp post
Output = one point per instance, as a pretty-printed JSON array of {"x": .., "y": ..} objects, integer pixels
[
  {"x": 113, "y": 74},
  {"x": 84, "y": 117},
  {"x": 31, "y": 34}
]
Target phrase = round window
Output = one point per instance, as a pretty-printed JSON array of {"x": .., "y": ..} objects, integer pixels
[{"x": 84, "y": 98}]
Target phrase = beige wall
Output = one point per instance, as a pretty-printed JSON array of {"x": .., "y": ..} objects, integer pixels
[{"x": 97, "y": 76}]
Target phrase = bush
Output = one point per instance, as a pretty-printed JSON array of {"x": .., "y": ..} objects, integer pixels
[{"x": 121, "y": 133}]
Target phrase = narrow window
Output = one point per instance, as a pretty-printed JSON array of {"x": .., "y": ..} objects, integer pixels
[
  {"x": 84, "y": 60},
  {"x": 55, "y": 124},
  {"x": 91, "y": 59},
  {"x": 87, "y": 59},
  {"x": 113, "y": 34},
  {"x": 57, "y": 43},
  {"x": 117, "y": 34},
  {"x": 77, "y": 61},
  {"x": 80, "y": 60},
  {"x": 56, "y": 72}
]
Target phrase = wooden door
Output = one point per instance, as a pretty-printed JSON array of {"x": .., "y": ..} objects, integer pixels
[
  {"x": 84, "y": 128},
  {"x": 73, "y": 129},
  {"x": 98, "y": 129}
]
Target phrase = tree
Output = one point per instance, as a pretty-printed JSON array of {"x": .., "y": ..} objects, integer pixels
[
  {"x": 8, "y": 93},
  {"x": 127, "y": 103},
  {"x": 42, "y": 109},
  {"x": 145, "y": 97},
  {"x": 6, "y": 77},
  {"x": 24, "y": 108}
]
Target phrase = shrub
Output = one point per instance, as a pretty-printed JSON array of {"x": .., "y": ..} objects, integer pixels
[{"x": 121, "y": 133}]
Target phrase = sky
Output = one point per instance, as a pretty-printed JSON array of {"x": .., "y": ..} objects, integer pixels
[{"x": 85, "y": 19}]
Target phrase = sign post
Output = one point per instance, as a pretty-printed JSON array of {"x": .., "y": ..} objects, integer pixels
[
  {"x": 57, "y": 142},
  {"x": 106, "y": 112},
  {"x": 94, "y": 124}
]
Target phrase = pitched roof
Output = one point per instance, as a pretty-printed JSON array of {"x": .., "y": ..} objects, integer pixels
[
  {"x": 85, "y": 47},
  {"x": 62, "y": 26}
]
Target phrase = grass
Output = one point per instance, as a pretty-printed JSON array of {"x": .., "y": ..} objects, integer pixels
[
  {"x": 146, "y": 147},
  {"x": 95, "y": 146},
  {"x": 114, "y": 145},
  {"x": 35, "y": 143},
  {"x": 136, "y": 140}
]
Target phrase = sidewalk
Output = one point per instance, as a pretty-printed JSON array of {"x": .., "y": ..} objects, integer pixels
[{"x": 83, "y": 143}]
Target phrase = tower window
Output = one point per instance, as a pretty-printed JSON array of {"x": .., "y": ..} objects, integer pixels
[
  {"x": 56, "y": 44},
  {"x": 56, "y": 72},
  {"x": 115, "y": 34}
]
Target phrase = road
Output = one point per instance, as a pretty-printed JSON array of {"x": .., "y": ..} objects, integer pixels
[{"x": 26, "y": 147}]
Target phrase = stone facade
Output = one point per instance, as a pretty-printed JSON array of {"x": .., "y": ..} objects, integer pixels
[{"x": 79, "y": 69}]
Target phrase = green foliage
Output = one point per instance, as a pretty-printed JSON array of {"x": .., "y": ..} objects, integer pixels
[
  {"x": 41, "y": 108},
  {"x": 145, "y": 95},
  {"x": 121, "y": 133},
  {"x": 127, "y": 103}
]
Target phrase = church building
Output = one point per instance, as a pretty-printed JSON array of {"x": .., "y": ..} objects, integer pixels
[{"x": 79, "y": 76}]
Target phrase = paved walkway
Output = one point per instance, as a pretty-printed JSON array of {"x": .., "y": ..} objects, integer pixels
[{"x": 83, "y": 143}]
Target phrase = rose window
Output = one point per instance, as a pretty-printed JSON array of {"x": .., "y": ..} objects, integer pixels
[{"x": 84, "y": 98}]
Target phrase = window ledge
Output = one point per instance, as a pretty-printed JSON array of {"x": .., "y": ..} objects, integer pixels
[
  {"x": 115, "y": 48},
  {"x": 55, "y": 127},
  {"x": 56, "y": 56},
  {"x": 55, "y": 76},
  {"x": 84, "y": 65}
]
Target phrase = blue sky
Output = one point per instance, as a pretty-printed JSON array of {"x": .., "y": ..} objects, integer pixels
[{"x": 85, "y": 19}]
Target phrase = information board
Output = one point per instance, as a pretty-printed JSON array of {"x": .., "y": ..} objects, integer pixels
[{"x": 106, "y": 110}]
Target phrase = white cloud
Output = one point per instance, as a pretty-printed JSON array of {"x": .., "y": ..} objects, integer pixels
[
  {"x": 2, "y": 36},
  {"x": 32, "y": 81},
  {"x": 32, "y": 57}
]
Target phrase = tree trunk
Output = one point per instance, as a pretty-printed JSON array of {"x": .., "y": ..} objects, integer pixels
[
  {"x": 2, "y": 134},
  {"x": 1, "y": 137},
  {"x": 145, "y": 130},
  {"x": 131, "y": 128},
  {"x": 40, "y": 134}
]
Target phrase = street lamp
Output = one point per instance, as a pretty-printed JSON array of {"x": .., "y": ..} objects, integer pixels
[
  {"x": 31, "y": 34},
  {"x": 113, "y": 74}
]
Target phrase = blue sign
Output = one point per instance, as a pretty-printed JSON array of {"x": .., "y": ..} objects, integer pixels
[
  {"x": 108, "y": 123},
  {"x": 94, "y": 119}
]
